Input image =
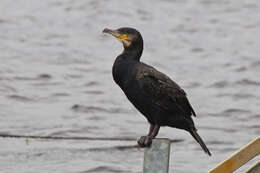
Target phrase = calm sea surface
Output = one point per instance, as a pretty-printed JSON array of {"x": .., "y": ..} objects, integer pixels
[{"x": 55, "y": 79}]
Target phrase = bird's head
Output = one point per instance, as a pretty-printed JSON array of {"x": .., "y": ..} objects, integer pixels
[{"x": 130, "y": 37}]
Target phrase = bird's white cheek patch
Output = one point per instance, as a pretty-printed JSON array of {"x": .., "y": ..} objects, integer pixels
[{"x": 126, "y": 42}]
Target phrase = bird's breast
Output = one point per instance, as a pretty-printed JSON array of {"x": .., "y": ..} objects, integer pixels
[
  {"x": 118, "y": 73},
  {"x": 123, "y": 73}
]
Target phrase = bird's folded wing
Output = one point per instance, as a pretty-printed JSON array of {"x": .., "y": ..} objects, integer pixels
[{"x": 164, "y": 92}]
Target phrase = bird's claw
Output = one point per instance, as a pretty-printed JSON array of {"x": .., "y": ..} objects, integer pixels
[{"x": 145, "y": 141}]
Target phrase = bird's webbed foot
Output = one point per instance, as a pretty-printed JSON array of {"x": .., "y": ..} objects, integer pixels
[{"x": 145, "y": 141}]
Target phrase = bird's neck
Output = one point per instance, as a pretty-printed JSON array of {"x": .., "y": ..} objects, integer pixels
[
  {"x": 125, "y": 61},
  {"x": 132, "y": 53}
]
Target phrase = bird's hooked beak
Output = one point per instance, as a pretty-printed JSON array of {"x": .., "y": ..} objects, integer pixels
[{"x": 115, "y": 33}]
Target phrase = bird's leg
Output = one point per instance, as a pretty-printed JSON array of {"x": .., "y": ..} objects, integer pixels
[
  {"x": 152, "y": 126},
  {"x": 155, "y": 131},
  {"x": 145, "y": 141}
]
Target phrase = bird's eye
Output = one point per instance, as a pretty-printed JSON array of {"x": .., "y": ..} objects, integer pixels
[{"x": 123, "y": 36}]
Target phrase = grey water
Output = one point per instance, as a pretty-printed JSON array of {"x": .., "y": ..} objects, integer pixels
[{"x": 55, "y": 79}]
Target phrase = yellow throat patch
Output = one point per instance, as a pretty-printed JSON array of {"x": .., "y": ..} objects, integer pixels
[{"x": 121, "y": 37}]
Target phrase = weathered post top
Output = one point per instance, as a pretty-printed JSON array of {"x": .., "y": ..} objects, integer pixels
[{"x": 156, "y": 157}]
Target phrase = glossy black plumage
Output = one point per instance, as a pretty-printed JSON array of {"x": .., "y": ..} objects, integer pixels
[{"x": 154, "y": 94}]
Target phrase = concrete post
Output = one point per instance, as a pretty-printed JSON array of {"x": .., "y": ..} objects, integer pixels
[{"x": 156, "y": 157}]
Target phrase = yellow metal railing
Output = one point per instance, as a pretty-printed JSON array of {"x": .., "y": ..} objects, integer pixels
[{"x": 239, "y": 158}]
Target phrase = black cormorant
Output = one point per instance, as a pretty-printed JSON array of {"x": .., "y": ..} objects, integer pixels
[{"x": 155, "y": 95}]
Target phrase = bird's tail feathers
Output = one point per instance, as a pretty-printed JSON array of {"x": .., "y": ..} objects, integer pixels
[{"x": 200, "y": 141}]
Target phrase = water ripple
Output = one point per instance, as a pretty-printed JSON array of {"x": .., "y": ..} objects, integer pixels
[
  {"x": 39, "y": 77},
  {"x": 248, "y": 82},
  {"x": 220, "y": 84},
  {"x": 103, "y": 169},
  {"x": 92, "y": 109},
  {"x": 235, "y": 111},
  {"x": 21, "y": 98}
]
